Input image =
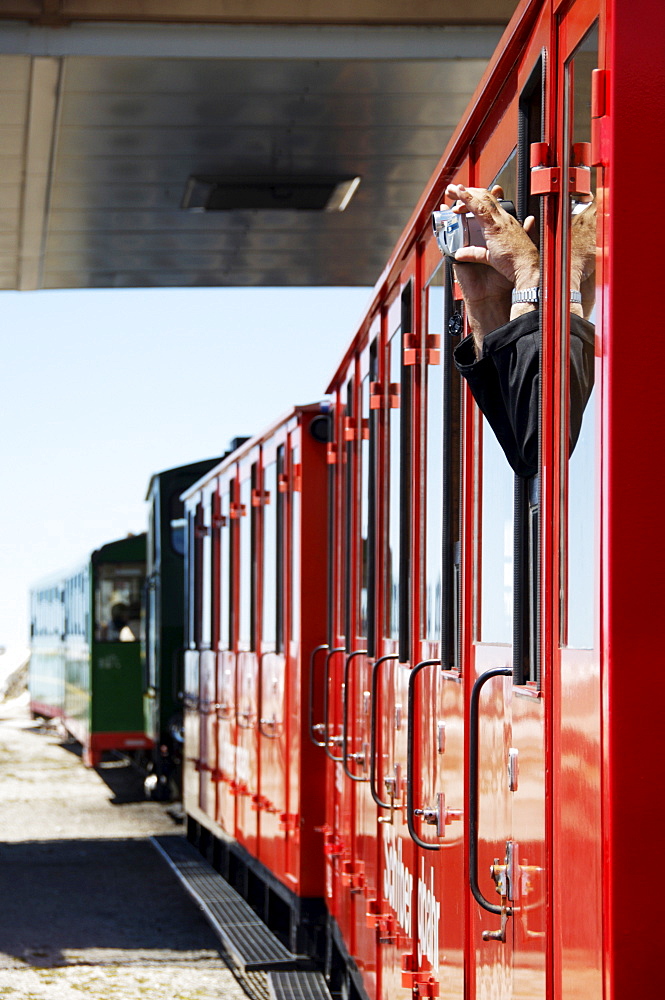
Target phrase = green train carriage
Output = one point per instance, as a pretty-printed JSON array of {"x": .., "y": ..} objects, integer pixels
[{"x": 85, "y": 666}]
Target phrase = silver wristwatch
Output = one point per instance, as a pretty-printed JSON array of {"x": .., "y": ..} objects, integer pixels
[
  {"x": 533, "y": 295},
  {"x": 526, "y": 295}
]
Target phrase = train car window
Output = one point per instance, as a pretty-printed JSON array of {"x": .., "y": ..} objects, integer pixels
[
  {"x": 190, "y": 588},
  {"x": 206, "y": 573},
  {"x": 224, "y": 589},
  {"x": 368, "y": 573},
  {"x": 295, "y": 553},
  {"x": 177, "y": 524},
  {"x": 392, "y": 573},
  {"x": 405, "y": 482},
  {"x": 442, "y": 476},
  {"x": 332, "y": 534},
  {"x": 277, "y": 497},
  {"x": 432, "y": 567},
  {"x": 365, "y": 473},
  {"x": 270, "y": 531},
  {"x": 397, "y": 594},
  {"x": 234, "y": 530},
  {"x": 526, "y": 533},
  {"x": 349, "y": 506},
  {"x": 530, "y": 130},
  {"x": 496, "y": 595},
  {"x": 497, "y": 509},
  {"x": 280, "y": 569},
  {"x": 246, "y": 531},
  {"x": 118, "y": 588},
  {"x": 579, "y": 590}
]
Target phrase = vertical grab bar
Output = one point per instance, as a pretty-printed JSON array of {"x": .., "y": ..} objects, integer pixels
[
  {"x": 474, "y": 731},
  {"x": 326, "y": 675},
  {"x": 345, "y": 716},
  {"x": 312, "y": 657},
  {"x": 372, "y": 737},
  {"x": 411, "y": 716}
]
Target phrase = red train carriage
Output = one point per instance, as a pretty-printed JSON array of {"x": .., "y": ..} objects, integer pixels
[
  {"x": 475, "y": 703},
  {"x": 256, "y": 552}
]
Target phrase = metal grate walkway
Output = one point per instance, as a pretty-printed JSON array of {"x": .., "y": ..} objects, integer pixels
[
  {"x": 248, "y": 941},
  {"x": 297, "y": 986}
]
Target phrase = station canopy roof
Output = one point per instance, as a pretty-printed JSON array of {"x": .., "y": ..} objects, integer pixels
[{"x": 141, "y": 147}]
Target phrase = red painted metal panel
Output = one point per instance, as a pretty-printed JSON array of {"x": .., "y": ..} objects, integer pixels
[{"x": 633, "y": 683}]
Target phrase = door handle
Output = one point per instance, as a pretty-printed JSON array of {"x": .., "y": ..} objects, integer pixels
[
  {"x": 373, "y": 732},
  {"x": 472, "y": 803},
  {"x": 345, "y": 716},
  {"x": 410, "y": 754},
  {"x": 326, "y": 676},
  {"x": 319, "y": 726}
]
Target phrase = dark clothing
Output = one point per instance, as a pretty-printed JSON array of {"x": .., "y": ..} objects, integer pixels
[{"x": 505, "y": 383}]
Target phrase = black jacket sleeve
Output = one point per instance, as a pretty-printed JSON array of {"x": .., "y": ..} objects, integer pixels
[{"x": 505, "y": 383}]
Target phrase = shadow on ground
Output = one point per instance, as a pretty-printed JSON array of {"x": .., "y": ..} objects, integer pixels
[{"x": 65, "y": 900}]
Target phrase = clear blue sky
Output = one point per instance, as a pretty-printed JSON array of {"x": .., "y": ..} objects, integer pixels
[{"x": 102, "y": 389}]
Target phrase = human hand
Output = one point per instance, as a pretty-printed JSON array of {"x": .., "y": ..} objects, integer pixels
[{"x": 510, "y": 258}]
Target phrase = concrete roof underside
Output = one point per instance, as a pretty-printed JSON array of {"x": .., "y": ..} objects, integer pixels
[{"x": 104, "y": 118}]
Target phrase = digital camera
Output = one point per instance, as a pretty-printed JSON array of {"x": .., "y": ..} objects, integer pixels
[{"x": 454, "y": 231}]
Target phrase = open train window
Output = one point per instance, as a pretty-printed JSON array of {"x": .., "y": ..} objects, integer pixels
[
  {"x": 367, "y": 475},
  {"x": 224, "y": 589},
  {"x": 441, "y": 522},
  {"x": 526, "y": 518},
  {"x": 278, "y": 503},
  {"x": 206, "y": 576},
  {"x": 190, "y": 587},
  {"x": 349, "y": 415},
  {"x": 246, "y": 630},
  {"x": 177, "y": 524},
  {"x": 332, "y": 533},
  {"x": 118, "y": 588},
  {"x": 398, "y": 536},
  {"x": 234, "y": 530},
  {"x": 270, "y": 560},
  {"x": 294, "y": 549},
  {"x": 578, "y": 435}
]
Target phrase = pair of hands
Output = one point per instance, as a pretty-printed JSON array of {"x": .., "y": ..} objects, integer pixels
[{"x": 487, "y": 275}]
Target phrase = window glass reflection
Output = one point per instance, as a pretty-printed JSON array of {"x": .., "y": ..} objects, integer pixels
[
  {"x": 579, "y": 544},
  {"x": 496, "y": 599},
  {"x": 433, "y": 583}
]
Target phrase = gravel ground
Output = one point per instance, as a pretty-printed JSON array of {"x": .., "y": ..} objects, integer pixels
[{"x": 88, "y": 906}]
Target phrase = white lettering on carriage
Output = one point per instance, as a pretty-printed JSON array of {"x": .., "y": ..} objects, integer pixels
[
  {"x": 397, "y": 881},
  {"x": 429, "y": 911}
]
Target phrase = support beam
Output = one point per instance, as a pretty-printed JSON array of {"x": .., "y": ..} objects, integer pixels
[
  {"x": 43, "y": 110},
  {"x": 374, "y": 12}
]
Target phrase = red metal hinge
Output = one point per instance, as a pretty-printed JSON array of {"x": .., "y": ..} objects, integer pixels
[
  {"x": 393, "y": 396},
  {"x": 297, "y": 478},
  {"x": 545, "y": 179},
  {"x": 260, "y": 498},
  {"x": 237, "y": 510},
  {"x": 600, "y": 133},
  {"x": 283, "y": 483},
  {"x": 375, "y": 395},
  {"x": 331, "y": 454},
  {"x": 219, "y": 521},
  {"x": 350, "y": 429},
  {"x": 412, "y": 353}
]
